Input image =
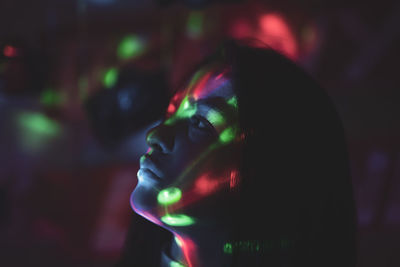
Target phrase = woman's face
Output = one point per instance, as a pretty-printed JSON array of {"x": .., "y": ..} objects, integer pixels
[{"x": 190, "y": 170}]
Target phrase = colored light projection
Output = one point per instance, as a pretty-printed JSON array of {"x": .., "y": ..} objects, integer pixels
[
  {"x": 203, "y": 83},
  {"x": 183, "y": 106},
  {"x": 170, "y": 196}
]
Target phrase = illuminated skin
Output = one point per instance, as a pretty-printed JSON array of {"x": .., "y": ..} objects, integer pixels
[{"x": 185, "y": 180}]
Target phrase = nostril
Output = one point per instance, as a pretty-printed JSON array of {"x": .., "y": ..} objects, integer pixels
[
  {"x": 154, "y": 140},
  {"x": 157, "y": 147}
]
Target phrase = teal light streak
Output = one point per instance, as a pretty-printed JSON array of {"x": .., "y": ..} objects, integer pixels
[
  {"x": 130, "y": 46},
  {"x": 110, "y": 78},
  {"x": 227, "y": 135},
  {"x": 177, "y": 220},
  {"x": 169, "y": 196}
]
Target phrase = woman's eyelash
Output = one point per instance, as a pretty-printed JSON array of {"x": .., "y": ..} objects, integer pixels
[{"x": 201, "y": 122}]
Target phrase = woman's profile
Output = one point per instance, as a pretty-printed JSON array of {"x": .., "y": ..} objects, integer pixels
[{"x": 248, "y": 168}]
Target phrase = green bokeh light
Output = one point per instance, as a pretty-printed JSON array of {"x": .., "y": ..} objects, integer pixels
[
  {"x": 177, "y": 220},
  {"x": 110, "y": 77},
  {"x": 131, "y": 46},
  {"x": 38, "y": 123},
  {"x": 169, "y": 196},
  {"x": 36, "y": 130},
  {"x": 50, "y": 97},
  {"x": 195, "y": 24}
]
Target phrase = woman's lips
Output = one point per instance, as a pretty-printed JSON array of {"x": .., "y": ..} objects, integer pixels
[
  {"x": 148, "y": 168},
  {"x": 146, "y": 174}
]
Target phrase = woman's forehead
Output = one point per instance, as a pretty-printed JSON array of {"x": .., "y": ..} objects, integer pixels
[{"x": 210, "y": 81}]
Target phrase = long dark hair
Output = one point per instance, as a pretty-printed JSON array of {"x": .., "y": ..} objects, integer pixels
[{"x": 294, "y": 205}]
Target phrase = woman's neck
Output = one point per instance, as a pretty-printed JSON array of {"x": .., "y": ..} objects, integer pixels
[{"x": 201, "y": 247}]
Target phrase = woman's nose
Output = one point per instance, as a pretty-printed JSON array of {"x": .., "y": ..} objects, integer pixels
[{"x": 161, "y": 138}]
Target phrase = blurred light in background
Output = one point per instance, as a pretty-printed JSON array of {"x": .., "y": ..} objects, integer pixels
[
  {"x": 131, "y": 46},
  {"x": 110, "y": 77},
  {"x": 51, "y": 98},
  {"x": 83, "y": 84},
  {"x": 36, "y": 129},
  {"x": 275, "y": 31},
  {"x": 126, "y": 98},
  {"x": 195, "y": 24},
  {"x": 10, "y": 51},
  {"x": 241, "y": 28},
  {"x": 309, "y": 38}
]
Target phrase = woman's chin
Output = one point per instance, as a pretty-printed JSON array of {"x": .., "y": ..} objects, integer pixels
[{"x": 144, "y": 202}]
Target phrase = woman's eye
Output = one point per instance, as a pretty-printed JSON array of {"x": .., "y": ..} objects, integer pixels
[{"x": 200, "y": 123}]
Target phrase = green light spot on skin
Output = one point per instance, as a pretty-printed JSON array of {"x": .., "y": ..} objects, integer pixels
[
  {"x": 195, "y": 24},
  {"x": 228, "y": 248},
  {"x": 178, "y": 242},
  {"x": 110, "y": 77},
  {"x": 215, "y": 118},
  {"x": 176, "y": 264},
  {"x": 186, "y": 105},
  {"x": 233, "y": 101},
  {"x": 185, "y": 110},
  {"x": 227, "y": 135},
  {"x": 177, "y": 220},
  {"x": 169, "y": 196},
  {"x": 131, "y": 46}
]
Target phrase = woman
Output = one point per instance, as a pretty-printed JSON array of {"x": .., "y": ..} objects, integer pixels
[{"x": 249, "y": 168}]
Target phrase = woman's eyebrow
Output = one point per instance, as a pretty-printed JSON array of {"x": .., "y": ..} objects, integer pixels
[
  {"x": 219, "y": 104},
  {"x": 218, "y": 110}
]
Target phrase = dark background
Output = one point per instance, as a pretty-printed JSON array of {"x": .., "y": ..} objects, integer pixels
[{"x": 81, "y": 81}]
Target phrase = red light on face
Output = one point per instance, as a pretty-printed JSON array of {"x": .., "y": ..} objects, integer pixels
[
  {"x": 10, "y": 51},
  {"x": 171, "y": 108}
]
